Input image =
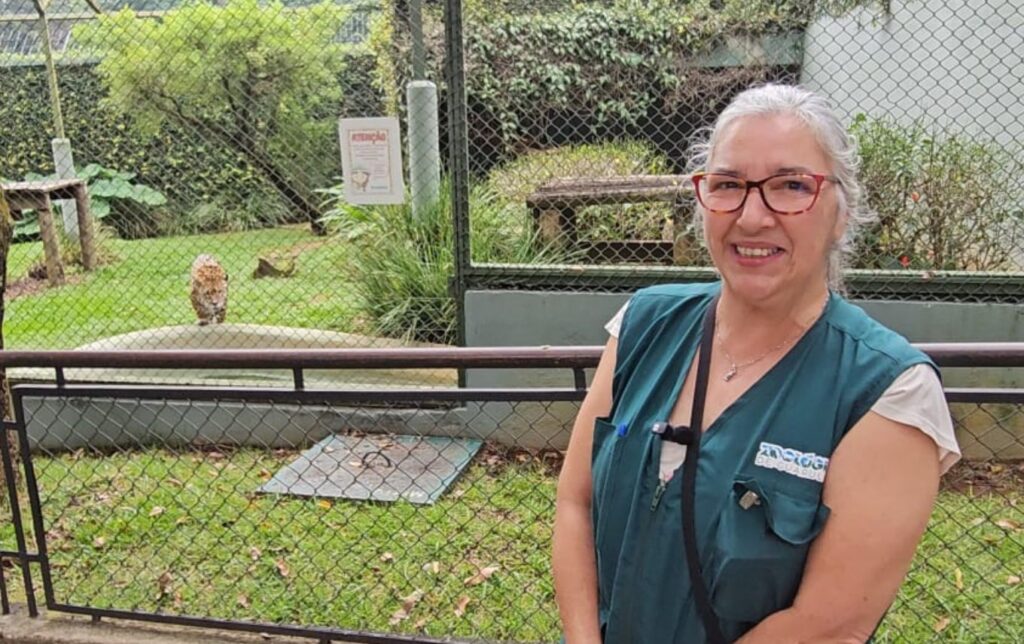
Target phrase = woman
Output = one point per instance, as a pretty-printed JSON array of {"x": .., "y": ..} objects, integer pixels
[{"x": 821, "y": 435}]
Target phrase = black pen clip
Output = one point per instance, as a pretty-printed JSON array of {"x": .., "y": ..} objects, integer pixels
[{"x": 681, "y": 435}]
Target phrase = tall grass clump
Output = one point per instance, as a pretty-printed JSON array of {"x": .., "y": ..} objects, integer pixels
[{"x": 402, "y": 265}]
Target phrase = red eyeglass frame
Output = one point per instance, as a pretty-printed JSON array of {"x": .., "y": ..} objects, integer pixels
[{"x": 819, "y": 179}]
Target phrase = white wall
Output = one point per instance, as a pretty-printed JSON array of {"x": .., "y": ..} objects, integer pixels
[{"x": 957, "y": 63}]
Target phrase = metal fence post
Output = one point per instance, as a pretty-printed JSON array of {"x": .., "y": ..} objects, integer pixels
[
  {"x": 458, "y": 160},
  {"x": 424, "y": 148},
  {"x": 64, "y": 162}
]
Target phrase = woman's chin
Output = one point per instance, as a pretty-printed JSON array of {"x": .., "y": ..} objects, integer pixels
[{"x": 754, "y": 289}]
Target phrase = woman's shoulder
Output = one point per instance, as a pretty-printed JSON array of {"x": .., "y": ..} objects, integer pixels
[
  {"x": 677, "y": 293},
  {"x": 857, "y": 326},
  {"x": 665, "y": 301},
  {"x": 916, "y": 399}
]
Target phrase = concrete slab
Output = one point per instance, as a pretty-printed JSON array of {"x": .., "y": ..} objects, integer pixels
[
  {"x": 56, "y": 628},
  {"x": 417, "y": 469},
  {"x": 247, "y": 336}
]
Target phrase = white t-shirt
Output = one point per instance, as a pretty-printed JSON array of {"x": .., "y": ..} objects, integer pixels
[{"x": 915, "y": 398}]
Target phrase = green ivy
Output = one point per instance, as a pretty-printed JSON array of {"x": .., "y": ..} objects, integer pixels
[
  {"x": 546, "y": 74},
  {"x": 177, "y": 162},
  {"x": 195, "y": 173}
]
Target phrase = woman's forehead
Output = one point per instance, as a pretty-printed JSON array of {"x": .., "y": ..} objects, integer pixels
[{"x": 768, "y": 143}]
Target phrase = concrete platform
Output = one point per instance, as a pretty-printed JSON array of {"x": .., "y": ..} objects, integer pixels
[
  {"x": 55, "y": 628},
  {"x": 246, "y": 336}
]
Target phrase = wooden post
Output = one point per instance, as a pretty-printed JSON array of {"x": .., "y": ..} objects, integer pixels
[
  {"x": 549, "y": 225},
  {"x": 686, "y": 249},
  {"x": 6, "y": 408},
  {"x": 85, "y": 232},
  {"x": 48, "y": 231}
]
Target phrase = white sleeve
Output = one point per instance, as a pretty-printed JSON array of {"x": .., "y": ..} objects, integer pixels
[
  {"x": 615, "y": 323},
  {"x": 916, "y": 398}
]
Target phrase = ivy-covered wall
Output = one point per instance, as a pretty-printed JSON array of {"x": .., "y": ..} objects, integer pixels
[
  {"x": 555, "y": 73},
  {"x": 183, "y": 164},
  {"x": 180, "y": 163}
]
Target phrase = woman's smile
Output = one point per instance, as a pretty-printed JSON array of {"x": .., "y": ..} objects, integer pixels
[{"x": 753, "y": 255}]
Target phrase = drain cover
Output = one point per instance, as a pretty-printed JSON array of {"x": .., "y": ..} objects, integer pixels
[{"x": 376, "y": 467}]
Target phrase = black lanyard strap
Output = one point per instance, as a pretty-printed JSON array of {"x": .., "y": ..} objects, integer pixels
[{"x": 691, "y": 437}]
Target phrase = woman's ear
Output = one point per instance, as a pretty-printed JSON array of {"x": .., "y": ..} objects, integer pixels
[{"x": 839, "y": 227}]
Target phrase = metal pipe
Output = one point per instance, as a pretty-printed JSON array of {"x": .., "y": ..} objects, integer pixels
[
  {"x": 458, "y": 155},
  {"x": 10, "y": 483},
  {"x": 419, "y": 58},
  {"x": 51, "y": 71},
  {"x": 308, "y": 358},
  {"x": 362, "y": 637},
  {"x": 967, "y": 354}
]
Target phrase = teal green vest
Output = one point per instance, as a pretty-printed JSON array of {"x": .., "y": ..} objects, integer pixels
[{"x": 773, "y": 441}]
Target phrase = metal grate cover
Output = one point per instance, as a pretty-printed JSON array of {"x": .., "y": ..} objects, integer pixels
[{"x": 390, "y": 467}]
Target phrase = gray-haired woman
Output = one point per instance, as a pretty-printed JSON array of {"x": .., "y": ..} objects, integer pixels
[{"x": 811, "y": 437}]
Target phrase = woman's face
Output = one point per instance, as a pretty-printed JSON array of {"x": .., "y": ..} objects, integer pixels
[{"x": 763, "y": 255}]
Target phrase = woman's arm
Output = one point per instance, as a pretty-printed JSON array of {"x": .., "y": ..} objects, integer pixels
[
  {"x": 573, "y": 562},
  {"x": 881, "y": 484}
]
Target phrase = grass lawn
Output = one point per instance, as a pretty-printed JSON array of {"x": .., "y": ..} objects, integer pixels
[
  {"x": 185, "y": 534},
  {"x": 146, "y": 285}
]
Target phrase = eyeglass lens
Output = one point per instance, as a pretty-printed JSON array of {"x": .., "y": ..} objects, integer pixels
[{"x": 783, "y": 193}]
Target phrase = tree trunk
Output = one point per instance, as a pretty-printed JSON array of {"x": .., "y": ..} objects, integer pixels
[
  {"x": 238, "y": 140},
  {"x": 6, "y": 408},
  {"x": 300, "y": 199}
]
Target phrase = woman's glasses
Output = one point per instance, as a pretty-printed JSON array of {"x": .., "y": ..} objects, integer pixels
[{"x": 785, "y": 194}]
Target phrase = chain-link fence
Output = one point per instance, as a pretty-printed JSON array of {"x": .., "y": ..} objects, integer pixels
[
  {"x": 212, "y": 129},
  {"x": 584, "y": 115},
  {"x": 426, "y": 513}
]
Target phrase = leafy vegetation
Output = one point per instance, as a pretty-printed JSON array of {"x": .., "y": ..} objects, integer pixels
[
  {"x": 260, "y": 79},
  {"x": 558, "y": 73},
  {"x": 945, "y": 202},
  {"x": 517, "y": 179},
  {"x": 194, "y": 172},
  {"x": 113, "y": 199},
  {"x": 402, "y": 265}
]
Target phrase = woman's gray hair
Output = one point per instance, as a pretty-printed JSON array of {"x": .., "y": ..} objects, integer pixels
[{"x": 839, "y": 146}]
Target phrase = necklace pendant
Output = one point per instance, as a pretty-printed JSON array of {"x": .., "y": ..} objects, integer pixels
[{"x": 731, "y": 373}]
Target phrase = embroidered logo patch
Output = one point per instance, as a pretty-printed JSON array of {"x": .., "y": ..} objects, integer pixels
[{"x": 806, "y": 465}]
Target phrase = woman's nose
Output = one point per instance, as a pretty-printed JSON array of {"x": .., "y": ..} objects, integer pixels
[{"x": 755, "y": 214}]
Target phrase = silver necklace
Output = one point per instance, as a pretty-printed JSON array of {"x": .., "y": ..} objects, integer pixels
[{"x": 734, "y": 367}]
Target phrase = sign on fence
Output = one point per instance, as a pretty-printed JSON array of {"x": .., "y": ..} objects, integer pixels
[{"x": 371, "y": 160}]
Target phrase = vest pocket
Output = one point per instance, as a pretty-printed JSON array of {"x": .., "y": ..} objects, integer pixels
[{"x": 760, "y": 549}]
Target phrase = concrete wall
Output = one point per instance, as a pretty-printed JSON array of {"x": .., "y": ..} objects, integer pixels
[
  {"x": 956, "y": 63},
  {"x": 58, "y": 424},
  {"x": 520, "y": 318}
]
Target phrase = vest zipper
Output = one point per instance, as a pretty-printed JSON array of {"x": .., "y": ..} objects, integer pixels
[{"x": 658, "y": 493}]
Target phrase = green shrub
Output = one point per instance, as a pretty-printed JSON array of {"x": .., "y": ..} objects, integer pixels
[
  {"x": 944, "y": 202},
  {"x": 557, "y": 73},
  {"x": 260, "y": 80},
  {"x": 403, "y": 265},
  {"x": 516, "y": 180}
]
